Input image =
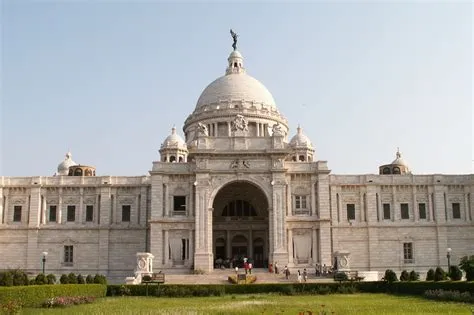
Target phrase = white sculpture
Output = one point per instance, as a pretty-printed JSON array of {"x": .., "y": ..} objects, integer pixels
[
  {"x": 240, "y": 123},
  {"x": 144, "y": 267}
]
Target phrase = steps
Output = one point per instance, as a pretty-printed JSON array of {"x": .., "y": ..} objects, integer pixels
[{"x": 220, "y": 277}]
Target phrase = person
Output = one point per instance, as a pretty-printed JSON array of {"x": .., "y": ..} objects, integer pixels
[
  {"x": 318, "y": 272},
  {"x": 299, "y": 276},
  {"x": 305, "y": 275},
  {"x": 287, "y": 272},
  {"x": 250, "y": 267},
  {"x": 270, "y": 268},
  {"x": 276, "y": 267}
]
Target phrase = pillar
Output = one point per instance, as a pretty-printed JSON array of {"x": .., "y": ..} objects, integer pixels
[
  {"x": 166, "y": 251},
  {"x": 314, "y": 245},
  {"x": 290, "y": 247},
  {"x": 228, "y": 244}
]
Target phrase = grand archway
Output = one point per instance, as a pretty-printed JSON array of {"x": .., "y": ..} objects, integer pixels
[{"x": 240, "y": 225}]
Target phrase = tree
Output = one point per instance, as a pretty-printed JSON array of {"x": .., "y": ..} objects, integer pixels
[
  {"x": 467, "y": 265},
  {"x": 430, "y": 275},
  {"x": 455, "y": 273},
  {"x": 64, "y": 279},
  {"x": 390, "y": 276},
  {"x": 404, "y": 276},
  {"x": 440, "y": 275},
  {"x": 414, "y": 276}
]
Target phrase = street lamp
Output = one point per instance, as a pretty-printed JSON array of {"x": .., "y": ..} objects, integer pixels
[
  {"x": 448, "y": 255},
  {"x": 44, "y": 260}
]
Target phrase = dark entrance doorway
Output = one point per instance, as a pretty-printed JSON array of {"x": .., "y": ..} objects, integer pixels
[{"x": 240, "y": 224}]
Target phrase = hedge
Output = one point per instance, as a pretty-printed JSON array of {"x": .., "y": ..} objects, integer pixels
[
  {"x": 35, "y": 295},
  {"x": 185, "y": 290}
]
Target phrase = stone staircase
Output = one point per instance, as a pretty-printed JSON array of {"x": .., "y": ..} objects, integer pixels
[{"x": 220, "y": 277}]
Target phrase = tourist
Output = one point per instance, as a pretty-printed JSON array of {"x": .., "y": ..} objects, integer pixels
[
  {"x": 276, "y": 267},
  {"x": 305, "y": 275},
  {"x": 299, "y": 276},
  {"x": 287, "y": 272},
  {"x": 250, "y": 267}
]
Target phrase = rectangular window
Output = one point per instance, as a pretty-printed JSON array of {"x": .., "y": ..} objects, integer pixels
[
  {"x": 52, "y": 213},
  {"x": 422, "y": 210},
  {"x": 126, "y": 213},
  {"x": 351, "y": 213},
  {"x": 408, "y": 253},
  {"x": 300, "y": 202},
  {"x": 71, "y": 213},
  {"x": 456, "y": 210},
  {"x": 89, "y": 213},
  {"x": 68, "y": 255},
  {"x": 404, "y": 212},
  {"x": 179, "y": 203},
  {"x": 17, "y": 214},
  {"x": 386, "y": 211}
]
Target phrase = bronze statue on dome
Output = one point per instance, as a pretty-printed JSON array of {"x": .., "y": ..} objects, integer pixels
[{"x": 234, "y": 37}]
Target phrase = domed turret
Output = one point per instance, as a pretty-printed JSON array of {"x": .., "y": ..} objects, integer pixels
[
  {"x": 174, "y": 149},
  {"x": 63, "y": 167},
  {"x": 302, "y": 148},
  {"x": 397, "y": 167}
]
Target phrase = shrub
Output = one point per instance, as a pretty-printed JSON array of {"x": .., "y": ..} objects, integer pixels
[
  {"x": 89, "y": 279},
  {"x": 51, "y": 279},
  {"x": 63, "y": 301},
  {"x": 64, "y": 279},
  {"x": 455, "y": 273},
  {"x": 467, "y": 265},
  {"x": 80, "y": 279},
  {"x": 440, "y": 275},
  {"x": 390, "y": 276},
  {"x": 414, "y": 276},
  {"x": 430, "y": 275},
  {"x": 404, "y": 276},
  {"x": 11, "y": 307},
  {"x": 71, "y": 278},
  {"x": 340, "y": 276},
  {"x": 100, "y": 279},
  {"x": 20, "y": 277},
  {"x": 6, "y": 279},
  {"x": 41, "y": 279}
]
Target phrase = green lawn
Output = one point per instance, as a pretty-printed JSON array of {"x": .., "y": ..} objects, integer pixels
[{"x": 265, "y": 304}]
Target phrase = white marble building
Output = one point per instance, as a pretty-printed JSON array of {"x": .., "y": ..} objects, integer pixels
[{"x": 234, "y": 187}]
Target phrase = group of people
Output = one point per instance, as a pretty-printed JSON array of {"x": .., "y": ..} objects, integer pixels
[
  {"x": 301, "y": 276},
  {"x": 324, "y": 270}
]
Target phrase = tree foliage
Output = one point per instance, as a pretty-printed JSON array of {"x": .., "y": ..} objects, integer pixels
[{"x": 467, "y": 265}]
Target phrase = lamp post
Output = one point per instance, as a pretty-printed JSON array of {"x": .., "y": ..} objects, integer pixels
[
  {"x": 448, "y": 255},
  {"x": 44, "y": 260}
]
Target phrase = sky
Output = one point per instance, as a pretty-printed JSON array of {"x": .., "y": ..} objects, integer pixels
[{"x": 107, "y": 79}]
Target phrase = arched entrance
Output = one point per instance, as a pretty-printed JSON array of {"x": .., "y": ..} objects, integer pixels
[{"x": 240, "y": 225}]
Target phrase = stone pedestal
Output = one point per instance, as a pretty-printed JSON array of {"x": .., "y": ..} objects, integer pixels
[
  {"x": 342, "y": 261},
  {"x": 144, "y": 267},
  {"x": 204, "y": 262}
]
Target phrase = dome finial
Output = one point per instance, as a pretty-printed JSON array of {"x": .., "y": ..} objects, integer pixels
[
  {"x": 398, "y": 154},
  {"x": 299, "y": 130},
  {"x": 173, "y": 130},
  {"x": 234, "y": 37}
]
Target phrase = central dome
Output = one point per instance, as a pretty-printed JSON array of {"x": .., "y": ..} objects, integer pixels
[{"x": 236, "y": 85}]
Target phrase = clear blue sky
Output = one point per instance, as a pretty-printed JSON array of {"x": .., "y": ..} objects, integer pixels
[{"x": 108, "y": 79}]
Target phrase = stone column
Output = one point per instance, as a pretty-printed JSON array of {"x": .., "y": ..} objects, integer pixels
[
  {"x": 278, "y": 229},
  {"x": 290, "y": 248},
  {"x": 379, "y": 206},
  {"x": 203, "y": 257},
  {"x": 166, "y": 206},
  {"x": 314, "y": 245},
  {"x": 415, "y": 210},
  {"x": 229, "y": 130},
  {"x": 34, "y": 207},
  {"x": 314, "y": 212},
  {"x": 250, "y": 254},
  {"x": 289, "y": 206},
  {"x": 466, "y": 207},
  {"x": 60, "y": 206},
  {"x": 81, "y": 205},
  {"x": 166, "y": 250},
  {"x": 44, "y": 210}
]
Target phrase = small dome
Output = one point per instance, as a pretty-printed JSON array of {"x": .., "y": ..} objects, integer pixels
[
  {"x": 399, "y": 160},
  {"x": 173, "y": 141},
  {"x": 63, "y": 167},
  {"x": 300, "y": 139}
]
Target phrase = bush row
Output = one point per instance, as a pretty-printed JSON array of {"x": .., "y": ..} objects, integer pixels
[
  {"x": 182, "y": 290},
  {"x": 79, "y": 279},
  {"x": 442, "y": 295},
  {"x": 35, "y": 295},
  {"x": 18, "y": 277}
]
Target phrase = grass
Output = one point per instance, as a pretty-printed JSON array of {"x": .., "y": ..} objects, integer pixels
[{"x": 265, "y": 304}]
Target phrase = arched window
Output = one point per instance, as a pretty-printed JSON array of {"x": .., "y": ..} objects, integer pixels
[
  {"x": 239, "y": 208},
  {"x": 78, "y": 172},
  {"x": 181, "y": 160},
  {"x": 396, "y": 170},
  {"x": 386, "y": 170},
  {"x": 301, "y": 158},
  {"x": 172, "y": 158}
]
